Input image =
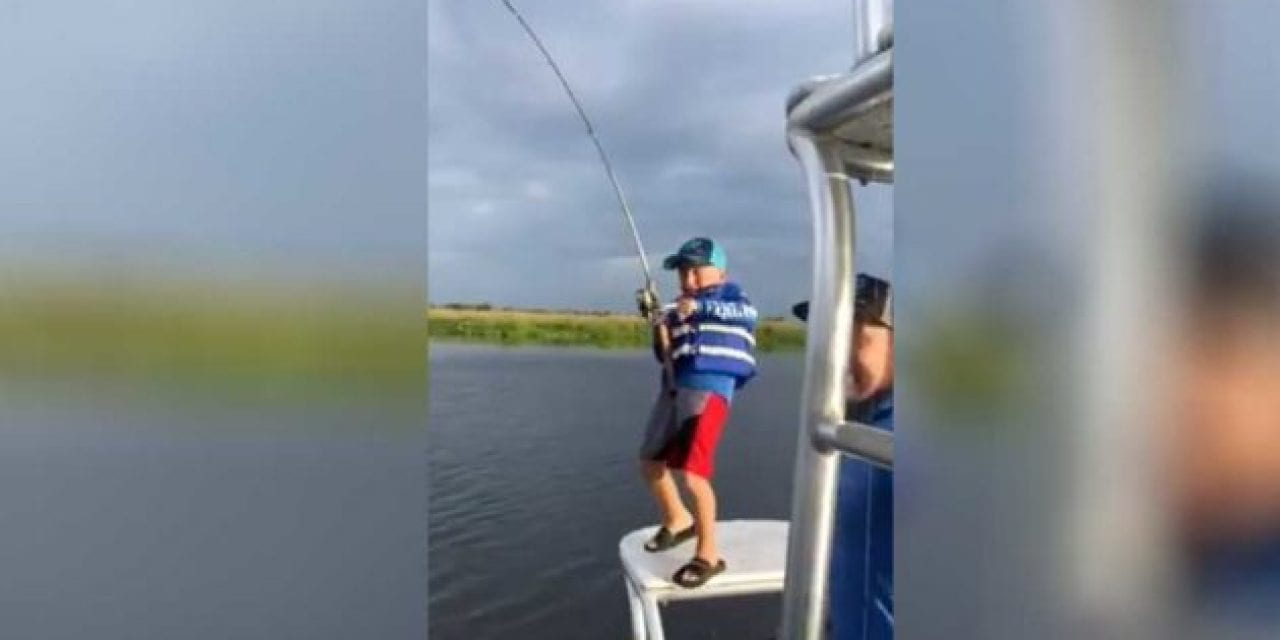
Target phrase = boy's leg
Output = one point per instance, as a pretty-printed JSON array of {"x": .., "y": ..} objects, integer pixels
[
  {"x": 662, "y": 428},
  {"x": 698, "y": 464},
  {"x": 704, "y": 516},
  {"x": 675, "y": 517}
]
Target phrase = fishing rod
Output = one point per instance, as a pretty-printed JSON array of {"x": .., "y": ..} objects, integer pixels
[
  {"x": 646, "y": 298},
  {"x": 591, "y": 131}
]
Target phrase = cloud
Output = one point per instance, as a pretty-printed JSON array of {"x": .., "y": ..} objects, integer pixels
[
  {"x": 688, "y": 99},
  {"x": 536, "y": 190},
  {"x": 483, "y": 209}
]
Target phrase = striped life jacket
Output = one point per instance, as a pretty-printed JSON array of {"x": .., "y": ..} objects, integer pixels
[{"x": 719, "y": 337}]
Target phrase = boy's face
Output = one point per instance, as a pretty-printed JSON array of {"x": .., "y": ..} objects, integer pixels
[
  {"x": 871, "y": 360},
  {"x": 694, "y": 278}
]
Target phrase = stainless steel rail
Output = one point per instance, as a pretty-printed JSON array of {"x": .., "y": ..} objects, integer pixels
[
  {"x": 862, "y": 441},
  {"x": 839, "y": 128},
  {"x": 828, "y": 344}
]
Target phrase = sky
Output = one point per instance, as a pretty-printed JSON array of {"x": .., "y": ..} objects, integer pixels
[
  {"x": 397, "y": 136},
  {"x": 688, "y": 99},
  {"x": 214, "y": 135}
]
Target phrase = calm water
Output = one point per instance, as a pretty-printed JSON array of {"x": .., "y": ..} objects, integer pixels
[
  {"x": 173, "y": 518},
  {"x": 533, "y": 480}
]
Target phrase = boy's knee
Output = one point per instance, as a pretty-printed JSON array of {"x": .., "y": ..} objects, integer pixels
[
  {"x": 695, "y": 482},
  {"x": 652, "y": 469}
]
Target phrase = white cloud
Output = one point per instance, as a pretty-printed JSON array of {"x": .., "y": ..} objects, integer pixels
[
  {"x": 536, "y": 190},
  {"x": 686, "y": 169},
  {"x": 483, "y": 208},
  {"x": 452, "y": 178}
]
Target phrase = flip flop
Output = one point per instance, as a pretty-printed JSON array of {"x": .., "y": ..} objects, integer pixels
[
  {"x": 664, "y": 539},
  {"x": 697, "y": 572}
]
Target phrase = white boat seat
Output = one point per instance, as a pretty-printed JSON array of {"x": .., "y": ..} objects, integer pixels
[{"x": 755, "y": 552}]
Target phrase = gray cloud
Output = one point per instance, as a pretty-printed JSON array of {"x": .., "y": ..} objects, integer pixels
[{"x": 688, "y": 98}]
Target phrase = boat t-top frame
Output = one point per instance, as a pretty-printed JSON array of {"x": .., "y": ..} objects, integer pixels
[{"x": 840, "y": 130}]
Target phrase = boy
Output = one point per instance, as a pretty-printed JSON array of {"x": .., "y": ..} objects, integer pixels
[{"x": 710, "y": 327}]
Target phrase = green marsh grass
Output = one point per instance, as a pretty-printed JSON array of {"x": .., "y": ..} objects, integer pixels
[
  {"x": 610, "y": 331},
  {"x": 261, "y": 339}
]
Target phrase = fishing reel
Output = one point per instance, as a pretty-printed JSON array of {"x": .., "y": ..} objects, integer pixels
[{"x": 647, "y": 302}]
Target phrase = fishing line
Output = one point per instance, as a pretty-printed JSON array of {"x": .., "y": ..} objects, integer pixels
[{"x": 604, "y": 158}]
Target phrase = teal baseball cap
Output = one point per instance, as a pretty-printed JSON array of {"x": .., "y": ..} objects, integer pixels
[{"x": 697, "y": 252}]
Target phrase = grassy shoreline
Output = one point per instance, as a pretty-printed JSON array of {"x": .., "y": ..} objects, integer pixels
[
  {"x": 249, "y": 341},
  {"x": 271, "y": 338},
  {"x": 579, "y": 329}
]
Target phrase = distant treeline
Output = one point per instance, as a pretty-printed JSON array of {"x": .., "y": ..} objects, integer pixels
[
  {"x": 485, "y": 306},
  {"x": 266, "y": 339},
  {"x": 483, "y": 323}
]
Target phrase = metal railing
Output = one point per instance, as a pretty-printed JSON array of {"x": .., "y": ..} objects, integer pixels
[
  {"x": 872, "y": 27},
  {"x": 869, "y": 443},
  {"x": 819, "y": 116}
]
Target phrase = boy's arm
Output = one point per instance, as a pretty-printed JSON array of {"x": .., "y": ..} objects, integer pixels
[
  {"x": 656, "y": 335},
  {"x": 660, "y": 333}
]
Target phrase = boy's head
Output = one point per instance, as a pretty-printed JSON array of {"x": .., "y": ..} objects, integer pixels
[
  {"x": 871, "y": 359},
  {"x": 701, "y": 263}
]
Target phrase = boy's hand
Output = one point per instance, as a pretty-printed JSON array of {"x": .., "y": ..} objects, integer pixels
[{"x": 685, "y": 307}]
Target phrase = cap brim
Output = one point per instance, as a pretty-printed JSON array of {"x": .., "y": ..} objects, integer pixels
[
  {"x": 675, "y": 261},
  {"x": 801, "y": 310}
]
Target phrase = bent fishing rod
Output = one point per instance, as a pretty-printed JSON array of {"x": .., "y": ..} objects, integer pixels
[{"x": 647, "y": 297}]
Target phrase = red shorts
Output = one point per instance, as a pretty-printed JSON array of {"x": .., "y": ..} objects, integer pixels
[{"x": 684, "y": 430}]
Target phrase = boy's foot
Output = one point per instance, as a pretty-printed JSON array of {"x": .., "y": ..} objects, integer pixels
[
  {"x": 697, "y": 572},
  {"x": 664, "y": 539}
]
